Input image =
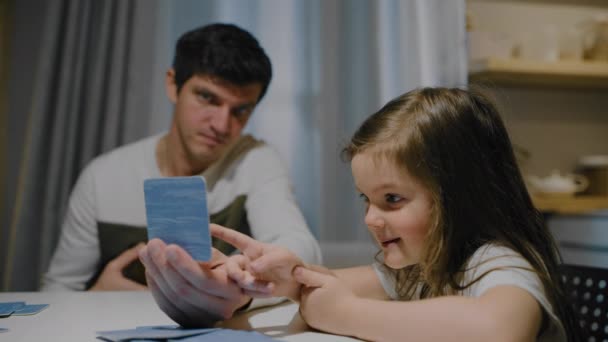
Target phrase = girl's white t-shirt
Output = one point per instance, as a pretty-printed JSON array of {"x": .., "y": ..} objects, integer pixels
[{"x": 506, "y": 267}]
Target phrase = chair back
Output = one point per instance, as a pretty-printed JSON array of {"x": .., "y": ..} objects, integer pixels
[{"x": 588, "y": 289}]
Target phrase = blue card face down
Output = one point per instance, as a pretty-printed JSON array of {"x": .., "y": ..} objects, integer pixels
[
  {"x": 30, "y": 309},
  {"x": 176, "y": 211},
  {"x": 7, "y": 308}
]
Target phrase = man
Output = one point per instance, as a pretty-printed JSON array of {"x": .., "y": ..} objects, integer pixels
[{"x": 219, "y": 75}]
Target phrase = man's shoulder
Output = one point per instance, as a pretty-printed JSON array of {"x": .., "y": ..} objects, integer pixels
[
  {"x": 261, "y": 164},
  {"x": 122, "y": 161},
  {"x": 251, "y": 167},
  {"x": 127, "y": 154},
  {"x": 262, "y": 156},
  {"x": 248, "y": 157}
]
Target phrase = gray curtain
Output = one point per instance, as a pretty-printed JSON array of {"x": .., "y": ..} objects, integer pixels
[{"x": 91, "y": 93}]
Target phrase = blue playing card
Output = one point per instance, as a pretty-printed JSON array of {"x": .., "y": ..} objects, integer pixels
[
  {"x": 227, "y": 335},
  {"x": 7, "y": 308},
  {"x": 176, "y": 211},
  {"x": 150, "y": 333},
  {"x": 166, "y": 327},
  {"x": 30, "y": 309},
  {"x": 178, "y": 334}
]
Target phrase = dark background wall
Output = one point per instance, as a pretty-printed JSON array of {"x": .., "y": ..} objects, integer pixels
[{"x": 24, "y": 23}]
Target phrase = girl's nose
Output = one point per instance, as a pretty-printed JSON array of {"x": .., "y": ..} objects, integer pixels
[{"x": 373, "y": 218}]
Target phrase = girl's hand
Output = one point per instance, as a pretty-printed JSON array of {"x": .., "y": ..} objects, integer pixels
[
  {"x": 239, "y": 270},
  {"x": 264, "y": 269},
  {"x": 324, "y": 300}
]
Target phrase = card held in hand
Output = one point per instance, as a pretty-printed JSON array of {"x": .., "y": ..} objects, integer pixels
[{"x": 176, "y": 211}]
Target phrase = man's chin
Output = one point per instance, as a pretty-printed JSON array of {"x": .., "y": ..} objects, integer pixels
[{"x": 204, "y": 154}]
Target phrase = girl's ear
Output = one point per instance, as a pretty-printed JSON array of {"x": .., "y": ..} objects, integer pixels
[{"x": 171, "y": 86}]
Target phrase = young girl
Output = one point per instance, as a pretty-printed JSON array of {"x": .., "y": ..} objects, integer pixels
[{"x": 465, "y": 255}]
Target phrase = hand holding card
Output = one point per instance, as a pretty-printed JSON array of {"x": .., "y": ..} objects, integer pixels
[{"x": 176, "y": 211}]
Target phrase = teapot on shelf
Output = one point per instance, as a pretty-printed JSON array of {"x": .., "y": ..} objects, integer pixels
[
  {"x": 595, "y": 42},
  {"x": 558, "y": 184}
]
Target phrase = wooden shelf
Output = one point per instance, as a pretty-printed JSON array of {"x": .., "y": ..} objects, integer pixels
[
  {"x": 570, "y": 205},
  {"x": 569, "y": 74}
]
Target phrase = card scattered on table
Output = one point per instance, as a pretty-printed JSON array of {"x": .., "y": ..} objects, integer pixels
[
  {"x": 150, "y": 333},
  {"x": 20, "y": 309},
  {"x": 176, "y": 212},
  {"x": 30, "y": 309},
  {"x": 176, "y": 333},
  {"x": 7, "y": 308},
  {"x": 228, "y": 335}
]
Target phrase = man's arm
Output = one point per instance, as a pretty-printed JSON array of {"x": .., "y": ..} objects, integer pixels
[
  {"x": 77, "y": 252},
  {"x": 272, "y": 211},
  {"x": 112, "y": 277},
  {"x": 273, "y": 214},
  {"x": 77, "y": 255}
]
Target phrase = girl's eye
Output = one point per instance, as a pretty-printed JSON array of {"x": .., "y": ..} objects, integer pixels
[{"x": 392, "y": 198}]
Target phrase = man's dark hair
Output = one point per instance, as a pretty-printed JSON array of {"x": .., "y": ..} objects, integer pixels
[{"x": 221, "y": 50}]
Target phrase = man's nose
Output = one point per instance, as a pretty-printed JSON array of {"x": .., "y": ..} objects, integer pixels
[{"x": 220, "y": 122}]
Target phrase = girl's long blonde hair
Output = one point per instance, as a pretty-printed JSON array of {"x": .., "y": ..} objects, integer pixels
[{"x": 454, "y": 142}]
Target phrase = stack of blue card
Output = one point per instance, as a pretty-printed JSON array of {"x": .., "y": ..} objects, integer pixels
[
  {"x": 176, "y": 212},
  {"x": 176, "y": 333},
  {"x": 20, "y": 309}
]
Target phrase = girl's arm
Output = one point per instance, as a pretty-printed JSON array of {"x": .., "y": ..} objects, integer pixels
[
  {"x": 270, "y": 263},
  {"x": 363, "y": 281},
  {"x": 503, "y": 313}
]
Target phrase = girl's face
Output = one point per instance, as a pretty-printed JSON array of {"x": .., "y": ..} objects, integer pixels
[{"x": 398, "y": 208}]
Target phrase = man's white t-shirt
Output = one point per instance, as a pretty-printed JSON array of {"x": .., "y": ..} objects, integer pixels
[{"x": 110, "y": 191}]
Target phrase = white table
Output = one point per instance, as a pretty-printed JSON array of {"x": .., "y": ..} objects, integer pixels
[{"x": 77, "y": 316}]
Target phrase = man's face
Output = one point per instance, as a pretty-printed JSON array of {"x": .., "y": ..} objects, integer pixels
[{"x": 210, "y": 114}]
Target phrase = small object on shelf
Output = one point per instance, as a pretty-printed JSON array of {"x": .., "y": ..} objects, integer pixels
[
  {"x": 540, "y": 45},
  {"x": 487, "y": 44},
  {"x": 557, "y": 185},
  {"x": 597, "y": 48},
  {"x": 572, "y": 43},
  {"x": 595, "y": 168}
]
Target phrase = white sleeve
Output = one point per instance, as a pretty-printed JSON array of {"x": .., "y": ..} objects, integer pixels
[
  {"x": 507, "y": 267},
  {"x": 274, "y": 216},
  {"x": 387, "y": 281},
  {"x": 77, "y": 253}
]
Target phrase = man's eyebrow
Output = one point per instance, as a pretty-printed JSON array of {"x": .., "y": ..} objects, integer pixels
[
  {"x": 247, "y": 105},
  {"x": 205, "y": 89}
]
